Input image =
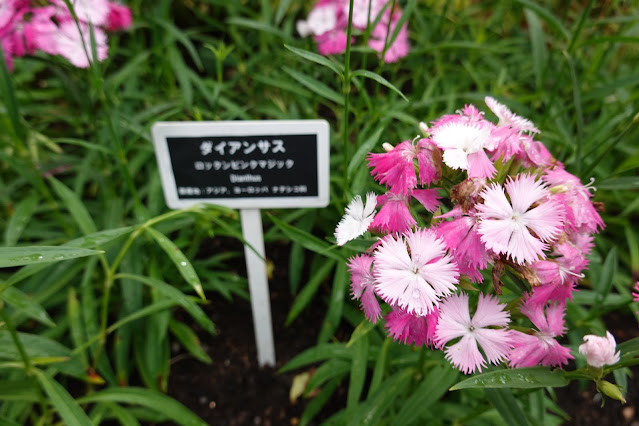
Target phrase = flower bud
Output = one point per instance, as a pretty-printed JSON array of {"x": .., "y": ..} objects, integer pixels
[{"x": 599, "y": 351}]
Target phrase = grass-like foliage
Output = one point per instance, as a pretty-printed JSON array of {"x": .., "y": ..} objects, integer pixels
[{"x": 95, "y": 267}]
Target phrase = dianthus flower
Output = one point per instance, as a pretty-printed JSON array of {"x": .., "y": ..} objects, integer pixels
[
  {"x": 540, "y": 347},
  {"x": 464, "y": 146},
  {"x": 455, "y": 322},
  {"x": 357, "y": 219},
  {"x": 408, "y": 329},
  {"x": 413, "y": 271},
  {"x": 522, "y": 226},
  {"x": 599, "y": 351},
  {"x": 363, "y": 285}
]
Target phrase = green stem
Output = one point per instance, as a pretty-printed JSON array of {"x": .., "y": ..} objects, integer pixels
[
  {"x": 28, "y": 367},
  {"x": 347, "y": 90}
]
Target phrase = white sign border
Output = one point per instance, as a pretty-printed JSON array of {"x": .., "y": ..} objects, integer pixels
[{"x": 162, "y": 130}]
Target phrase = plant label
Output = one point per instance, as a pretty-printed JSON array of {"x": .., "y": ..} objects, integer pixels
[{"x": 244, "y": 164}]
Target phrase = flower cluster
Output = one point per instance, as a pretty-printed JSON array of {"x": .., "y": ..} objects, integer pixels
[
  {"x": 498, "y": 202},
  {"x": 52, "y": 28},
  {"x": 327, "y": 22}
]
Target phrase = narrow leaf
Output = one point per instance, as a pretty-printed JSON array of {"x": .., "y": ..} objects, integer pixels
[
  {"x": 20, "y": 218},
  {"x": 306, "y": 295},
  {"x": 431, "y": 388},
  {"x": 75, "y": 206},
  {"x": 150, "y": 399},
  {"x": 18, "y": 256},
  {"x": 307, "y": 240},
  {"x": 381, "y": 80},
  {"x": 189, "y": 340},
  {"x": 318, "y": 59},
  {"x": 179, "y": 260},
  {"x": 26, "y": 305},
  {"x": 524, "y": 378},
  {"x": 70, "y": 411},
  {"x": 315, "y": 86},
  {"x": 507, "y": 406},
  {"x": 177, "y": 297}
]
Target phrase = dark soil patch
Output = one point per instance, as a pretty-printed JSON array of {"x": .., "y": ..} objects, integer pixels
[{"x": 234, "y": 390}]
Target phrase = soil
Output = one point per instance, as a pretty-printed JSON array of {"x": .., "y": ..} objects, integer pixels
[{"x": 235, "y": 391}]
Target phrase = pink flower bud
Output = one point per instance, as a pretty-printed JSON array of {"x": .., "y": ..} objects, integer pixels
[{"x": 599, "y": 351}]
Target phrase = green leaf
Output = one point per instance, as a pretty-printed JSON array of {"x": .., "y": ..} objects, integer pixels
[
  {"x": 333, "y": 368},
  {"x": 18, "y": 390},
  {"x": 371, "y": 410},
  {"x": 189, "y": 340},
  {"x": 147, "y": 398},
  {"x": 70, "y": 411},
  {"x": 547, "y": 16},
  {"x": 18, "y": 256},
  {"x": 317, "y": 353},
  {"x": 26, "y": 305},
  {"x": 75, "y": 206},
  {"x": 307, "y": 240},
  {"x": 259, "y": 26},
  {"x": 315, "y": 86},
  {"x": 524, "y": 378},
  {"x": 357, "y": 160},
  {"x": 20, "y": 218},
  {"x": 507, "y": 406},
  {"x": 179, "y": 260},
  {"x": 604, "y": 283},
  {"x": 318, "y": 59},
  {"x": 177, "y": 297},
  {"x": 306, "y": 295},
  {"x": 358, "y": 372},
  {"x": 335, "y": 305},
  {"x": 628, "y": 349},
  {"x": 538, "y": 44},
  {"x": 432, "y": 387},
  {"x": 619, "y": 184},
  {"x": 9, "y": 98},
  {"x": 40, "y": 347},
  {"x": 381, "y": 80}
]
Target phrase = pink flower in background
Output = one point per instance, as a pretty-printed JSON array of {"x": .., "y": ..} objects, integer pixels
[
  {"x": 327, "y": 22},
  {"x": 541, "y": 347},
  {"x": 408, "y": 329},
  {"x": 74, "y": 44},
  {"x": 52, "y": 29},
  {"x": 599, "y": 351},
  {"x": 381, "y": 35},
  {"x": 362, "y": 285},
  {"x": 357, "y": 219},
  {"x": 514, "y": 227},
  {"x": 455, "y": 322},
  {"x": 414, "y": 272},
  {"x": 635, "y": 294},
  {"x": 119, "y": 17}
]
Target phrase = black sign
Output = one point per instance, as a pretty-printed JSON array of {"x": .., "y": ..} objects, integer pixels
[{"x": 244, "y": 166}]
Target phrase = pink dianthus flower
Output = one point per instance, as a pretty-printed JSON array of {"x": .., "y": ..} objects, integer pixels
[
  {"x": 408, "y": 329},
  {"x": 363, "y": 286},
  {"x": 541, "y": 346},
  {"x": 413, "y": 271},
  {"x": 519, "y": 226},
  {"x": 455, "y": 322}
]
